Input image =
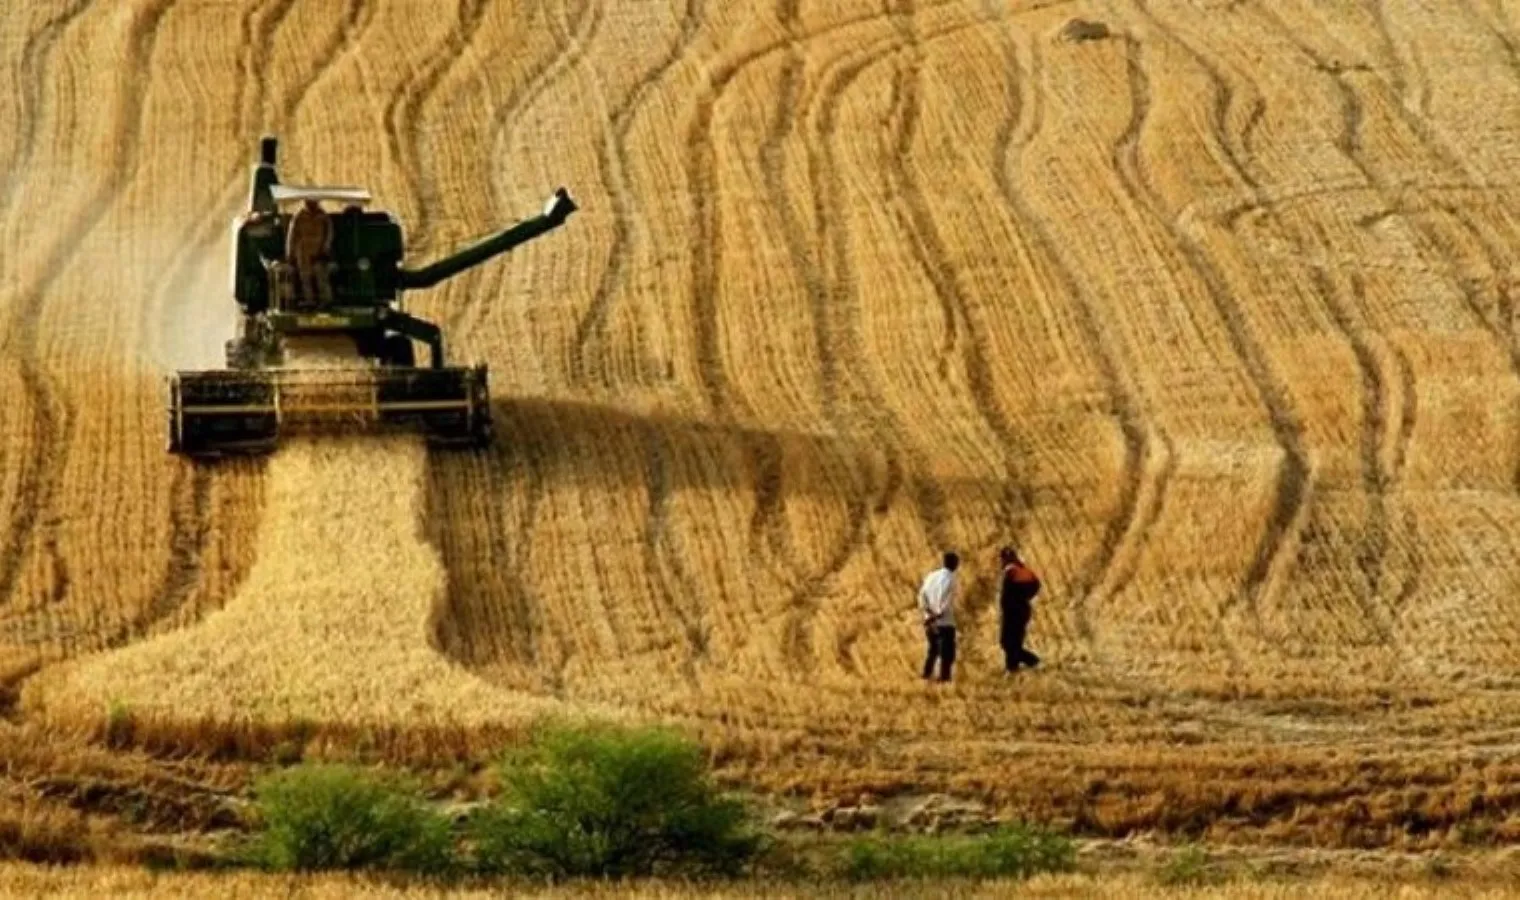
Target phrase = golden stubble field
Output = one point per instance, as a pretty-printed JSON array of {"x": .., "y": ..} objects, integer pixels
[{"x": 1213, "y": 317}]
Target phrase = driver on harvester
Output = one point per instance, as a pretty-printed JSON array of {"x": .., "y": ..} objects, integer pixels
[{"x": 308, "y": 246}]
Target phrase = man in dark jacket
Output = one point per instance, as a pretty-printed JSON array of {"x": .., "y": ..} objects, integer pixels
[{"x": 1016, "y": 599}]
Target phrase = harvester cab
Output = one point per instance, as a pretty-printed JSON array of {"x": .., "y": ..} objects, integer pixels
[{"x": 313, "y": 270}]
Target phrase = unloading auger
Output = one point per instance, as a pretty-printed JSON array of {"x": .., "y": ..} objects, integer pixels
[{"x": 334, "y": 275}]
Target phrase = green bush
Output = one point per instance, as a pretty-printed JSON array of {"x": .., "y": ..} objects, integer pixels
[
  {"x": 337, "y": 817},
  {"x": 1188, "y": 866},
  {"x": 611, "y": 802},
  {"x": 1017, "y": 851}
]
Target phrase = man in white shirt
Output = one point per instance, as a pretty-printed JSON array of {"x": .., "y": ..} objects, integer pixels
[{"x": 936, "y": 601}]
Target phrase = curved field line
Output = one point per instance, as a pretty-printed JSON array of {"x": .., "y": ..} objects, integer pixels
[
  {"x": 1409, "y": 71},
  {"x": 929, "y": 251},
  {"x": 837, "y": 314},
  {"x": 1504, "y": 37},
  {"x": 358, "y": 16},
  {"x": 1351, "y": 148},
  {"x": 678, "y": 589},
  {"x": 466, "y": 316},
  {"x": 1125, "y": 532},
  {"x": 1291, "y": 507},
  {"x": 770, "y": 490},
  {"x": 821, "y": 285},
  {"x": 258, "y": 28},
  {"x": 190, "y": 526},
  {"x": 835, "y": 304},
  {"x": 512, "y": 558},
  {"x": 685, "y": 600},
  {"x": 1377, "y": 417},
  {"x": 699, "y": 167},
  {"x": 52, "y": 418},
  {"x": 403, "y": 113},
  {"x": 614, "y": 159},
  {"x": 36, "y": 58}
]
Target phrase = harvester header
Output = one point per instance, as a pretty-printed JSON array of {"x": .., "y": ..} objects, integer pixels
[{"x": 305, "y": 276}]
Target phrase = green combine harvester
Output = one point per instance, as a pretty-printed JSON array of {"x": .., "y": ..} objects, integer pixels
[{"x": 348, "y": 289}]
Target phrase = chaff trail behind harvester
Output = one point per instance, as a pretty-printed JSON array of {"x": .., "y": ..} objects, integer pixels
[{"x": 349, "y": 287}]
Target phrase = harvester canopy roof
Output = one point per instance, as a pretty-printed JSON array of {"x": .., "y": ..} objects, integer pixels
[{"x": 291, "y": 192}]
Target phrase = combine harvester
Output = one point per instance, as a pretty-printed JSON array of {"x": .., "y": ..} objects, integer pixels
[{"x": 351, "y": 293}]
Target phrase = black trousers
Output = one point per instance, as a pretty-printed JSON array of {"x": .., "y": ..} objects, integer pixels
[
  {"x": 941, "y": 648},
  {"x": 1012, "y": 639}
]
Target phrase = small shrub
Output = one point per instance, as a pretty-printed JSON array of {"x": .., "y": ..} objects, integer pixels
[
  {"x": 121, "y": 724},
  {"x": 1018, "y": 851},
  {"x": 1188, "y": 866},
  {"x": 1439, "y": 867},
  {"x": 336, "y": 817},
  {"x": 611, "y": 802}
]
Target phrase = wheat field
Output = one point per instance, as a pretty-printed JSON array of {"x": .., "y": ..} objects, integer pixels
[{"x": 1211, "y": 316}]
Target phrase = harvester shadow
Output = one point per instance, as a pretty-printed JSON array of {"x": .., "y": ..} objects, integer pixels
[{"x": 494, "y": 620}]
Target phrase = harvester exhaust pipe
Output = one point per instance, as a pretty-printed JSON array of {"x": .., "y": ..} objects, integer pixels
[{"x": 265, "y": 177}]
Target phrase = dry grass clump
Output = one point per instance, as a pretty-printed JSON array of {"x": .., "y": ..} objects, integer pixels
[
  {"x": 92, "y": 882},
  {"x": 332, "y": 624}
]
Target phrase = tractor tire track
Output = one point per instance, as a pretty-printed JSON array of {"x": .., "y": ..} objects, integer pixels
[
  {"x": 190, "y": 513},
  {"x": 699, "y": 163},
  {"x": 1120, "y": 544},
  {"x": 679, "y": 590},
  {"x": 834, "y": 299},
  {"x": 929, "y": 251},
  {"x": 1294, "y": 480},
  {"x": 357, "y": 18},
  {"x": 468, "y": 314},
  {"x": 52, "y": 416},
  {"x": 613, "y": 158},
  {"x": 802, "y": 604},
  {"x": 540, "y": 649},
  {"x": 835, "y": 315},
  {"x": 1431, "y": 242},
  {"x": 403, "y": 114},
  {"x": 36, "y": 59},
  {"x": 1410, "y": 81},
  {"x": 258, "y": 28},
  {"x": 1497, "y": 30},
  {"x": 1377, "y": 417}
]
